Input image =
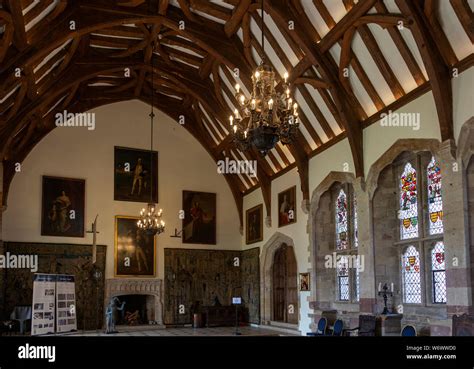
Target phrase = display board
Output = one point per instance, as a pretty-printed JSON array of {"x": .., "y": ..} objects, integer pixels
[
  {"x": 65, "y": 304},
  {"x": 42, "y": 317},
  {"x": 54, "y": 296}
]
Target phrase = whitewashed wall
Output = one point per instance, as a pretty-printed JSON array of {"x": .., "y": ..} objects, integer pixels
[{"x": 78, "y": 153}]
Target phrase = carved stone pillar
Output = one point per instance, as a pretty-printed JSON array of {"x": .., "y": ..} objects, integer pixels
[
  {"x": 367, "y": 298},
  {"x": 456, "y": 237}
]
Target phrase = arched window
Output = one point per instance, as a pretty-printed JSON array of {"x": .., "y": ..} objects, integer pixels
[
  {"x": 341, "y": 221},
  {"x": 435, "y": 201},
  {"x": 411, "y": 276},
  {"x": 347, "y": 273},
  {"x": 438, "y": 270},
  {"x": 343, "y": 278},
  {"x": 421, "y": 226},
  {"x": 408, "y": 203}
]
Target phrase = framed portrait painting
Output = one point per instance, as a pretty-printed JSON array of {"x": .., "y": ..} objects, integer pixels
[
  {"x": 305, "y": 282},
  {"x": 287, "y": 207},
  {"x": 63, "y": 207},
  {"x": 134, "y": 178},
  {"x": 135, "y": 250},
  {"x": 254, "y": 224},
  {"x": 199, "y": 223}
]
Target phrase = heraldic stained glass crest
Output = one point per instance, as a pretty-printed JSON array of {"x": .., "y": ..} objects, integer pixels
[
  {"x": 438, "y": 268},
  {"x": 341, "y": 221},
  {"x": 408, "y": 203},
  {"x": 435, "y": 201},
  {"x": 411, "y": 276}
]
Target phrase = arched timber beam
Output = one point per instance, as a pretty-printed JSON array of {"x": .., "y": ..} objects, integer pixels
[
  {"x": 82, "y": 71},
  {"x": 438, "y": 72},
  {"x": 166, "y": 105},
  {"x": 345, "y": 109}
]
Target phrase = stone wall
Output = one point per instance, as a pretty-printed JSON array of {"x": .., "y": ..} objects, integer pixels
[
  {"x": 385, "y": 229},
  {"x": 379, "y": 241},
  {"x": 324, "y": 217},
  {"x": 470, "y": 206}
]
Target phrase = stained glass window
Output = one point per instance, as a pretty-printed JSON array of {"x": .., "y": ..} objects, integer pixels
[
  {"x": 356, "y": 231},
  {"x": 438, "y": 269},
  {"x": 435, "y": 201},
  {"x": 343, "y": 278},
  {"x": 408, "y": 204},
  {"x": 411, "y": 276},
  {"x": 341, "y": 221}
]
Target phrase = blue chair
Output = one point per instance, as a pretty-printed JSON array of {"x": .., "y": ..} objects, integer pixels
[
  {"x": 321, "y": 330},
  {"x": 322, "y": 326},
  {"x": 338, "y": 328},
  {"x": 408, "y": 331}
]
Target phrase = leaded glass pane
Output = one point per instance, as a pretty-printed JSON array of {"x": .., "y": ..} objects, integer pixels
[
  {"x": 438, "y": 267},
  {"x": 435, "y": 201},
  {"x": 341, "y": 221},
  {"x": 344, "y": 288},
  {"x": 411, "y": 276},
  {"x": 356, "y": 232},
  {"x": 343, "y": 278},
  {"x": 408, "y": 204},
  {"x": 357, "y": 284}
]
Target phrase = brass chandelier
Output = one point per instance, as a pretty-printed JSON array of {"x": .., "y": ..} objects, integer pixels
[
  {"x": 269, "y": 115},
  {"x": 150, "y": 218}
]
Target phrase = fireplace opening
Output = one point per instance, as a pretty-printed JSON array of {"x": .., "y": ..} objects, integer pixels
[{"x": 138, "y": 309}]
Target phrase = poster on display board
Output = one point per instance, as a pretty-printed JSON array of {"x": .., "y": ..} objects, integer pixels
[
  {"x": 65, "y": 304},
  {"x": 42, "y": 317}
]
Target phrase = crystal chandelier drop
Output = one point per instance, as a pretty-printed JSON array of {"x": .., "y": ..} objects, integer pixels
[
  {"x": 150, "y": 218},
  {"x": 269, "y": 115}
]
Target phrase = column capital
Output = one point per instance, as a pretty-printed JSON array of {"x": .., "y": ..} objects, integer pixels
[
  {"x": 447, "y": 150},
  {"x": 359, "y": 184}
]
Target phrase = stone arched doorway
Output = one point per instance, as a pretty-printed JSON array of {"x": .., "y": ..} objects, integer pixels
[
  {"x": 284, "y": 286},
  {"x": 281, "y": 248}
]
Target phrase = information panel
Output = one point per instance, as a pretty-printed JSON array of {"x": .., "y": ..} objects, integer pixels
[
  {"x": 42, "y": 317},
  {"x": 66, "y": 304}
]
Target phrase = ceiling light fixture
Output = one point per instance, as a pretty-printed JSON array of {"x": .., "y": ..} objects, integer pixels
[{"x": 269, "y": 115}]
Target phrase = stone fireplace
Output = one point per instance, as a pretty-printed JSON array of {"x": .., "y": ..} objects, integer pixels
[{"x": 152, "y": 288}]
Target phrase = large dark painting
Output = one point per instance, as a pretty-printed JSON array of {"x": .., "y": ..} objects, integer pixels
[
  {"x": 132, "y": 175},
  {"x": 134, "y": 249},
  {"x": 199, "y": 223},
  {"x": 287, "y": 207},
  {"x": 254, "y": 224},
  {"x": 63, "y": 207}
]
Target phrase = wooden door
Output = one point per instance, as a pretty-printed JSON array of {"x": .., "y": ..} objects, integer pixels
[{"x": 285, "y": 285}]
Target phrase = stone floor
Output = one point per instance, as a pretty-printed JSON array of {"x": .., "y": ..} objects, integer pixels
[{"x": 168, "y": 332}]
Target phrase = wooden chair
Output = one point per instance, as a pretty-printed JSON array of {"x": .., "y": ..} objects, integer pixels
[
  {"x": 463, "y": 325},
  {"x": 366, "y": 326},
  {"x": 408, "y": 331}
]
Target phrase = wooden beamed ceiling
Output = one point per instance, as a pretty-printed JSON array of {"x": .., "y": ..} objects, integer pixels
[{"x": 347, "y": 60}]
